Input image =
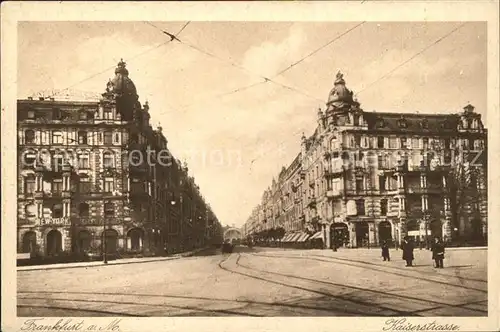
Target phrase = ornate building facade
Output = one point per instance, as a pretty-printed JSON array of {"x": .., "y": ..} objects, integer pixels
[
  {"x": 367, "y": 177},
  {"x": 96, "y": 177}
]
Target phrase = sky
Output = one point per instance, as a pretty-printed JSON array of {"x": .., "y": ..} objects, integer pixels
[{"x": 235, "y": 143}]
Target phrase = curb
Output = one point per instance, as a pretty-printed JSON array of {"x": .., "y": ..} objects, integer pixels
[{"x": 53, "y": 267}]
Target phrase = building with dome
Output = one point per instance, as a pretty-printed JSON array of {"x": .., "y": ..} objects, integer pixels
[
  {"x": 366, "y": 177},
  {"x": 95, "y": 176}
]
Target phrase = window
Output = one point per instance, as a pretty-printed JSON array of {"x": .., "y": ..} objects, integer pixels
[
  {"x": 107, "y": 114},
  {"x": 424, "y": 124},
  {"x": 29, "y": 159},
  {"x": 403, "y": 142},
  {"x": 29, "y": 184},
  {"x": 381, "y": 182},
  {"x": 29, "y": 136},
  {"x": 109, "y": 209},
  {"x": 83, "y": 115},
  {"x": 57, "y": 137},
  {"x": 471, "y": 143},
  {"x": 356, "y": 119},
  {"x": 31, "y": 114},
  {"x": 108, "y": 185},
  {"x": 57, "y": 186},
  {"x": 359, "y": 184},
  {"x": 30, "y": 210},
  {"x": 383, "y": 207},
  {"x": 57, "y": 211},
  {"x": 108, "y": 138},
  {"x": 425, "y": 141},
  {"x": 82, "y": 137},
  {"x": 357, "y": 140},
  {"x": 57, "y": 162},
  {"x": 83, "y": 161},
  {"x": 393, "y": 143},
  {"x": 57, "y": 114},
  {"x": 83, "y": 210},
  {"x": 402, "y": 123},
  {"x": 447, "y": 143},
  {"x": 447, "y": 158},
  {"x": 360, "y": 207},
  {"x": 84, "y": 184},
  {"x": 380, "y": 142},
  {"x": 108, "y": 159},
  {"x": 415, "y": 143}
]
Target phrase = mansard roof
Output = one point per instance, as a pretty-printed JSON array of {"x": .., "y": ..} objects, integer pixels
[{"x": 411, "y": 122}]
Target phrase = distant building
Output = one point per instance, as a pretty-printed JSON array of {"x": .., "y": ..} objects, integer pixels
[
  {"x": 84, "y": 174},
  {"x": 365, "y": 177}
]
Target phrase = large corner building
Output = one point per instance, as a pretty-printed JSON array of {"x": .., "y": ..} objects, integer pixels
[
  {"x": 365, "y": 177},
  {"x": 90, "y": 179}
]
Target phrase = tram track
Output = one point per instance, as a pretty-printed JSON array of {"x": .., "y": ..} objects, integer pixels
[
  {"x": 347, "y": 301},
  {"x": 440, "y": 304},
  {"x": 373, "y": 267}
]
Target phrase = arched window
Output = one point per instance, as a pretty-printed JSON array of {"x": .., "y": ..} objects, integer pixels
[
  {"x": 83, "y": 210},
  {"x": 29, "y": 136},
  {"x": 30, "y": 210},
  {"x": 108, "y": 159},
  {"x": 29, "y": 158}
]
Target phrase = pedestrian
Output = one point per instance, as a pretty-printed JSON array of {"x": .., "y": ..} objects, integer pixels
[
  {"x": 385, "y": 251},
  {"x": 438, "y": 253},
  {"x": 407, "y": 247}
]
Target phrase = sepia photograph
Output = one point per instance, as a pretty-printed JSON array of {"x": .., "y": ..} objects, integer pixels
[{"x": 249, "y": 168}]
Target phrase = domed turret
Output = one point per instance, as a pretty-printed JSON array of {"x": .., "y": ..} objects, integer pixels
[
  {"x": 121, "y": 84},
  {"x": 339, "y": 96}
]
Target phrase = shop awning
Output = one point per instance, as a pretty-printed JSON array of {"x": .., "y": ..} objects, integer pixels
[
  {"x": 303, "y": 237},
  {"x": 317, "y": 235},
  {"x": 293, "y": 237},
  {"x": 286, "y": 237},
  {"x": 290, "y": 237}
]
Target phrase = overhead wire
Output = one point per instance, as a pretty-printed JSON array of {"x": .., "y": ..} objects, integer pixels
[
  {"x": 235, "y": 65},
  {"x": 279, "y": 73},
  {"x": 400, "y": 65},
  {"x": 132, "y": 58},
  {"x": 411, "y": 58},
  {"x": 319, "y": 49}
]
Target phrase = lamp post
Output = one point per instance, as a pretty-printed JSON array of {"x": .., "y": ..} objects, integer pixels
[
  {"x": 426, "y": 220},
  {"x": 104, "y": 249}
]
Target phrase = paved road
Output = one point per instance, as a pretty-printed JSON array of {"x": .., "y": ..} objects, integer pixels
[{"x": 264, "y": 282}]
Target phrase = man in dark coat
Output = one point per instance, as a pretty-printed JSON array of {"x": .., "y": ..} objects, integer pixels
[
  {"x": 385, "y": 251},
  {"x": 438, "y": 253},
  {"x": 408, "y": 251}
]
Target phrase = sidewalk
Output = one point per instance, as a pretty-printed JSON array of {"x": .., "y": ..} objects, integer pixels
[{"x": 113, "y": 262}]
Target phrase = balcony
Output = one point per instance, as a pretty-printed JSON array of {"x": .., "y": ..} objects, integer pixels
[
  {"x": 333, "y": 193},
  {"x": 426, "y": 190},
  {"x": 139, "y": 170},
  {"x": 63, "y": 221}
]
